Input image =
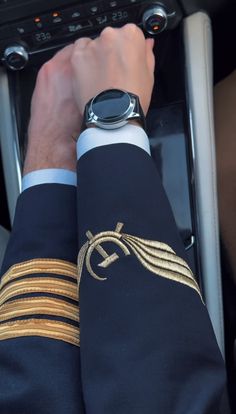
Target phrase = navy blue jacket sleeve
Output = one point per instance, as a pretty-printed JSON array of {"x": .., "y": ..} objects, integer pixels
[
  {"x": 39, "y": 314},
  {"x": 147, "y": 344}
]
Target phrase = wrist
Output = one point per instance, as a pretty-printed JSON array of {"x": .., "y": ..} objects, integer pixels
[{"x": 47, "y": 157}]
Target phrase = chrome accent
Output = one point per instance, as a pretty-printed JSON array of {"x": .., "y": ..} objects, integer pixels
[
  {"x": 9, "y": 144},
  {"x": 4, "y": 238},
  {"x": 152, "y": 12},
  {"x": 198, "y": 52},
  {"x": 115, "y": 122},
  {"x": 171, "y": 15},
  {"x": 191, "y": 244},
  {"x": 16, "y": 50}
]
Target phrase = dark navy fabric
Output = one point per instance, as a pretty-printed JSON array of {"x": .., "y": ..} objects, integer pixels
[
  {"x": 41, "y": 375},
  {"x": 147, "y": 344},
  {"x": 45, "y": 225}
]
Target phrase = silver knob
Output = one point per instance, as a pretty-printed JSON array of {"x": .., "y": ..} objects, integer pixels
[
  {"x": 16, "y": 57},
  {"x": 155, "y": 20}
]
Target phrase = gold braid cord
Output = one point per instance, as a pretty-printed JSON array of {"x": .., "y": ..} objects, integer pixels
[
  {"x": 156, "y": 257},
  {"x": 40, "y": 298}
]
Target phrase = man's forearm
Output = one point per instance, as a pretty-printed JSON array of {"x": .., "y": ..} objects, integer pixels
[{"x": 39, "y": 314}]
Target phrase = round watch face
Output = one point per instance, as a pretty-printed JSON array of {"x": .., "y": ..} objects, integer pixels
[{"x": 111, "y": 105}]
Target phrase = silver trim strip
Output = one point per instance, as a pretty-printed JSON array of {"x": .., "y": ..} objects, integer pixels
[
  {"x": 4, "y": 238},
  {"x": 198, "y": 49},
  {"x": 9, "y": 145}
]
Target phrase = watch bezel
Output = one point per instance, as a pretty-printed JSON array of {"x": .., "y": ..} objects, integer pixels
[{"x": 115, "y": 122}]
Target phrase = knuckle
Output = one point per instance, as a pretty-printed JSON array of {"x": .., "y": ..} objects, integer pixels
[
  {"x": 77, "y": 50},
  {"x": 80, "y": 47},
  {"x": 78, "y": 43},
  {"x": 108, "y": 32},
  {"x": 132, "y": 29},
  {"x": 45, "y": 69},
  {"x": 64, "y": 53},
  {"x": 77, "y": 47}
]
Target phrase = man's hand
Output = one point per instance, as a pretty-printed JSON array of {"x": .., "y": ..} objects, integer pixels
[
  {"x": 54, "y": 117},
  {"x": 118, "y": 58}
]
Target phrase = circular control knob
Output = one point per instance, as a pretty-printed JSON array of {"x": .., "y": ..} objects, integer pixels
[
  {"x": 16, "y": 57},
  {"x": 155, "y": 20}
]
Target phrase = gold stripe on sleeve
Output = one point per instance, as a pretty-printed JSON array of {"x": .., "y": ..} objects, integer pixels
[
  {"x": 40, "y": 327},
  {"x": 34, "y": 293},
  {"x": 39, "y": 285},
  {"x": 58, "y": 267},
  {"x": 39, "y": 306}
]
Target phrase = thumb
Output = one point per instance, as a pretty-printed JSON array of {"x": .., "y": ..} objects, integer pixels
[
  {"x": 150, "y": 43},
  {"x": 150, "y": 55}
]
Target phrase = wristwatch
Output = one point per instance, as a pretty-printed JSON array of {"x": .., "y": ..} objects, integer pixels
[{"x": 112, "y": 109}]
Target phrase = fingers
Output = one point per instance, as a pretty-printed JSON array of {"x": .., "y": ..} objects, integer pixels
[
  {"x": 133, "y": 32},
  {"x": 82, "y": 43},
  {"x": 150, "y": 42},
  {"x": 119, "y": 57},
  {"x": 65, "y": 53},
  {"x": 59, "y": 59},
  {"x": 130, "y": 30},
  {"x": 130, "y": 33}
]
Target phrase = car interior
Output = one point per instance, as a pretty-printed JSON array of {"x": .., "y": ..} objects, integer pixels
[{"x": 194, "y": 50}]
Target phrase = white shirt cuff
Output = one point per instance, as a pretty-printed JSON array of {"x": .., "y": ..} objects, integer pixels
[
  {"x": 96, "y": 137},
  {"x": 89, "y": 139},
  {"x": 49, "y": 176}
]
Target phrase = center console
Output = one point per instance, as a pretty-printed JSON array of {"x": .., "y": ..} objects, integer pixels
[{"x": 180, "y": 123}]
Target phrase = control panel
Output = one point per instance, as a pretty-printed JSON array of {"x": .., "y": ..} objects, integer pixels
[{"x": 21, "y": 39}]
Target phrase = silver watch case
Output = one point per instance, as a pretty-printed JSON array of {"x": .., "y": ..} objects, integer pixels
[{"x": 91, "y": 119}]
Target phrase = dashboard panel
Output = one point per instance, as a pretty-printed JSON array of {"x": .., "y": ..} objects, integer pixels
[{"x": 28, "y": 28}]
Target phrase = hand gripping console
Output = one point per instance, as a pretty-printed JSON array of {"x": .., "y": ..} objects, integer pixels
[{"x": 28, "y": 29}]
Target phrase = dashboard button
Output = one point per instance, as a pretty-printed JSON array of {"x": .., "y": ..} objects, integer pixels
[
  {"x": 74, "y": 28},
  {"x": 74, "y": 13},
  {"x": 77, "y": 27},
  {"x": 94, "y": 8},
  {"x": 111, "y": 4},
  {"x": 52, "y": 19},
  {"x": 57, "y": 20},
  {"x": 23, "y": 28},
  {"x": 100, "y": 20}
]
